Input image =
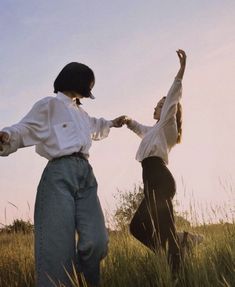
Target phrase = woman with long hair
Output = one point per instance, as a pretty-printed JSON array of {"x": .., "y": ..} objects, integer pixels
[{"x": 153, "y": 223}]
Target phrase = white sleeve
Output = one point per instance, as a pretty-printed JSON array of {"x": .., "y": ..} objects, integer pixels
[
  {"x": 138, "y": 128},
  {"x": 31, "y": 130},
  {"x": 100, "y": 128},
  {"x": 169, "y": 108}
]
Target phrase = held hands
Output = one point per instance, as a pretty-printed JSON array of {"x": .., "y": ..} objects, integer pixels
[
  {"x": 4, "y": 139},
  {"x": 120, "y": 121}
]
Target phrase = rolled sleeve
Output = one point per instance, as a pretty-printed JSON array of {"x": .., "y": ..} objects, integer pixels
[
  {"x": 100, "y": 128},
  {"x": 32, "y": 129}
]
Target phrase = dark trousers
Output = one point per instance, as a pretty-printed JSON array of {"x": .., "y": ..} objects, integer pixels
[{"x": 153, "y": 223}]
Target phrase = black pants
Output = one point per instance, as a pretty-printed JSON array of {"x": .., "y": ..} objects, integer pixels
[{"x": 153, "y": 223}]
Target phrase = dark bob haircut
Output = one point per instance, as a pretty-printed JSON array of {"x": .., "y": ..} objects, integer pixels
[{"x": 75, "y": 77}]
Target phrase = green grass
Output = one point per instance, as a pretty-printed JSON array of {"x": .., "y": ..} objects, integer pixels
[{"x": 128, "y": 264}]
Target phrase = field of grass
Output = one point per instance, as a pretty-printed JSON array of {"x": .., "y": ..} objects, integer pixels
[{"x": 128, "y": 264}]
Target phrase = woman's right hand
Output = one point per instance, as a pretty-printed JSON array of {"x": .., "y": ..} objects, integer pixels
[
  {"x": 127, "y": 120},
  {"x": 4, "y": 139}
]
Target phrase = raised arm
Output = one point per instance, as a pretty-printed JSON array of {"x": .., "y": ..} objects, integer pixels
[{"x": 169, "y": 108}]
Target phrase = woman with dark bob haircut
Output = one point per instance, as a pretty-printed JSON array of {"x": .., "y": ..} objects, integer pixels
[
  {"x": 75, "y": 77},
  {"x": 67, "y": 201}
]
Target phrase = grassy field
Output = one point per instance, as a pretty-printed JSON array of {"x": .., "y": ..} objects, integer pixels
[{"x": 128, "y": 264}]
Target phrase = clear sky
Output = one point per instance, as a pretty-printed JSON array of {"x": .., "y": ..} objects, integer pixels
[{"x": 131, "y": 47}]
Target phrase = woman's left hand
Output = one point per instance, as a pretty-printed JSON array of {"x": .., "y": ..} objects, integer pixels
[{"x": 182, "y": 57}]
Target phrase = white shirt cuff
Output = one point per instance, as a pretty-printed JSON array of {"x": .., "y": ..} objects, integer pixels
[{"x": 110, "y": 124}]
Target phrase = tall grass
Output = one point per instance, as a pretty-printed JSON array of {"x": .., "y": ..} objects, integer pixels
[
  {"x": 128, "y": 264},
  {"x": 16, "y": 260}
]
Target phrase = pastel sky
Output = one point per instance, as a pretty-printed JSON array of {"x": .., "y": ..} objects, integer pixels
[{"x": 131, "y": 47}]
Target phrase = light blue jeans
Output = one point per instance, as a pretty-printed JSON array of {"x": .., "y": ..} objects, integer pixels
[{"x": 67, "y": 203}]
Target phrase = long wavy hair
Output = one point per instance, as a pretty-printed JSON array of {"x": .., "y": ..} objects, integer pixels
[{"x": 178, "y": 122}]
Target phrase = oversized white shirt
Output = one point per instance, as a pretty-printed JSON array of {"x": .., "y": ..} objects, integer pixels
[
  {"x": 57, "y": 127},
  {"x": 158, "y": 140}
]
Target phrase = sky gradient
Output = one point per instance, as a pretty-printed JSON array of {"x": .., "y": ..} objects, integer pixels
[{"x": 131, "y": 47}]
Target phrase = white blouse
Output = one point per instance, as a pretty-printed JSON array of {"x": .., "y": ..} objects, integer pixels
[
  {"x": 160, "y": 138},
  {"x": 57, "y": 127}
]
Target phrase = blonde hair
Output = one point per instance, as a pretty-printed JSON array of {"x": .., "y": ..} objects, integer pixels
[{"x": 179, "y": 122}]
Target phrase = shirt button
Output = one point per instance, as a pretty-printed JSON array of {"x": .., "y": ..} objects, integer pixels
[{"x": 64, "y": 126}]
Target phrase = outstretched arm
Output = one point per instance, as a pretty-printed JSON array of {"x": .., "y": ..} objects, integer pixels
[
  {"x": 170, "y": 105},
  {"x": 136, "y": 127},
  {"x": 31, "y": 130}
]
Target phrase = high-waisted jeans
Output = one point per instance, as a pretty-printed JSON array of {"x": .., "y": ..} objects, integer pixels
[{"x": 67, "y": 204}]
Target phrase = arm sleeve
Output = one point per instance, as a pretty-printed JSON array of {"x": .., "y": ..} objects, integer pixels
[
  {"x": 174, "y": 95},
  {"x": 137, "y": 128},
  {"x": 31, "y": 130},
  {"x": 100, "y": 128}
]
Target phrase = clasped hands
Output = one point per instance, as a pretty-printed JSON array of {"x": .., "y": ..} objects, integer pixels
[{"x": 120, "y": 121}]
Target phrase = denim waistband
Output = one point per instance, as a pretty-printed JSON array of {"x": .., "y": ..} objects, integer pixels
[{"x": 75, "y": 154}]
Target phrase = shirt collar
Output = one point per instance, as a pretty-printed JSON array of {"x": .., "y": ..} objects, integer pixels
[{"x": 67, "y": 100}]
